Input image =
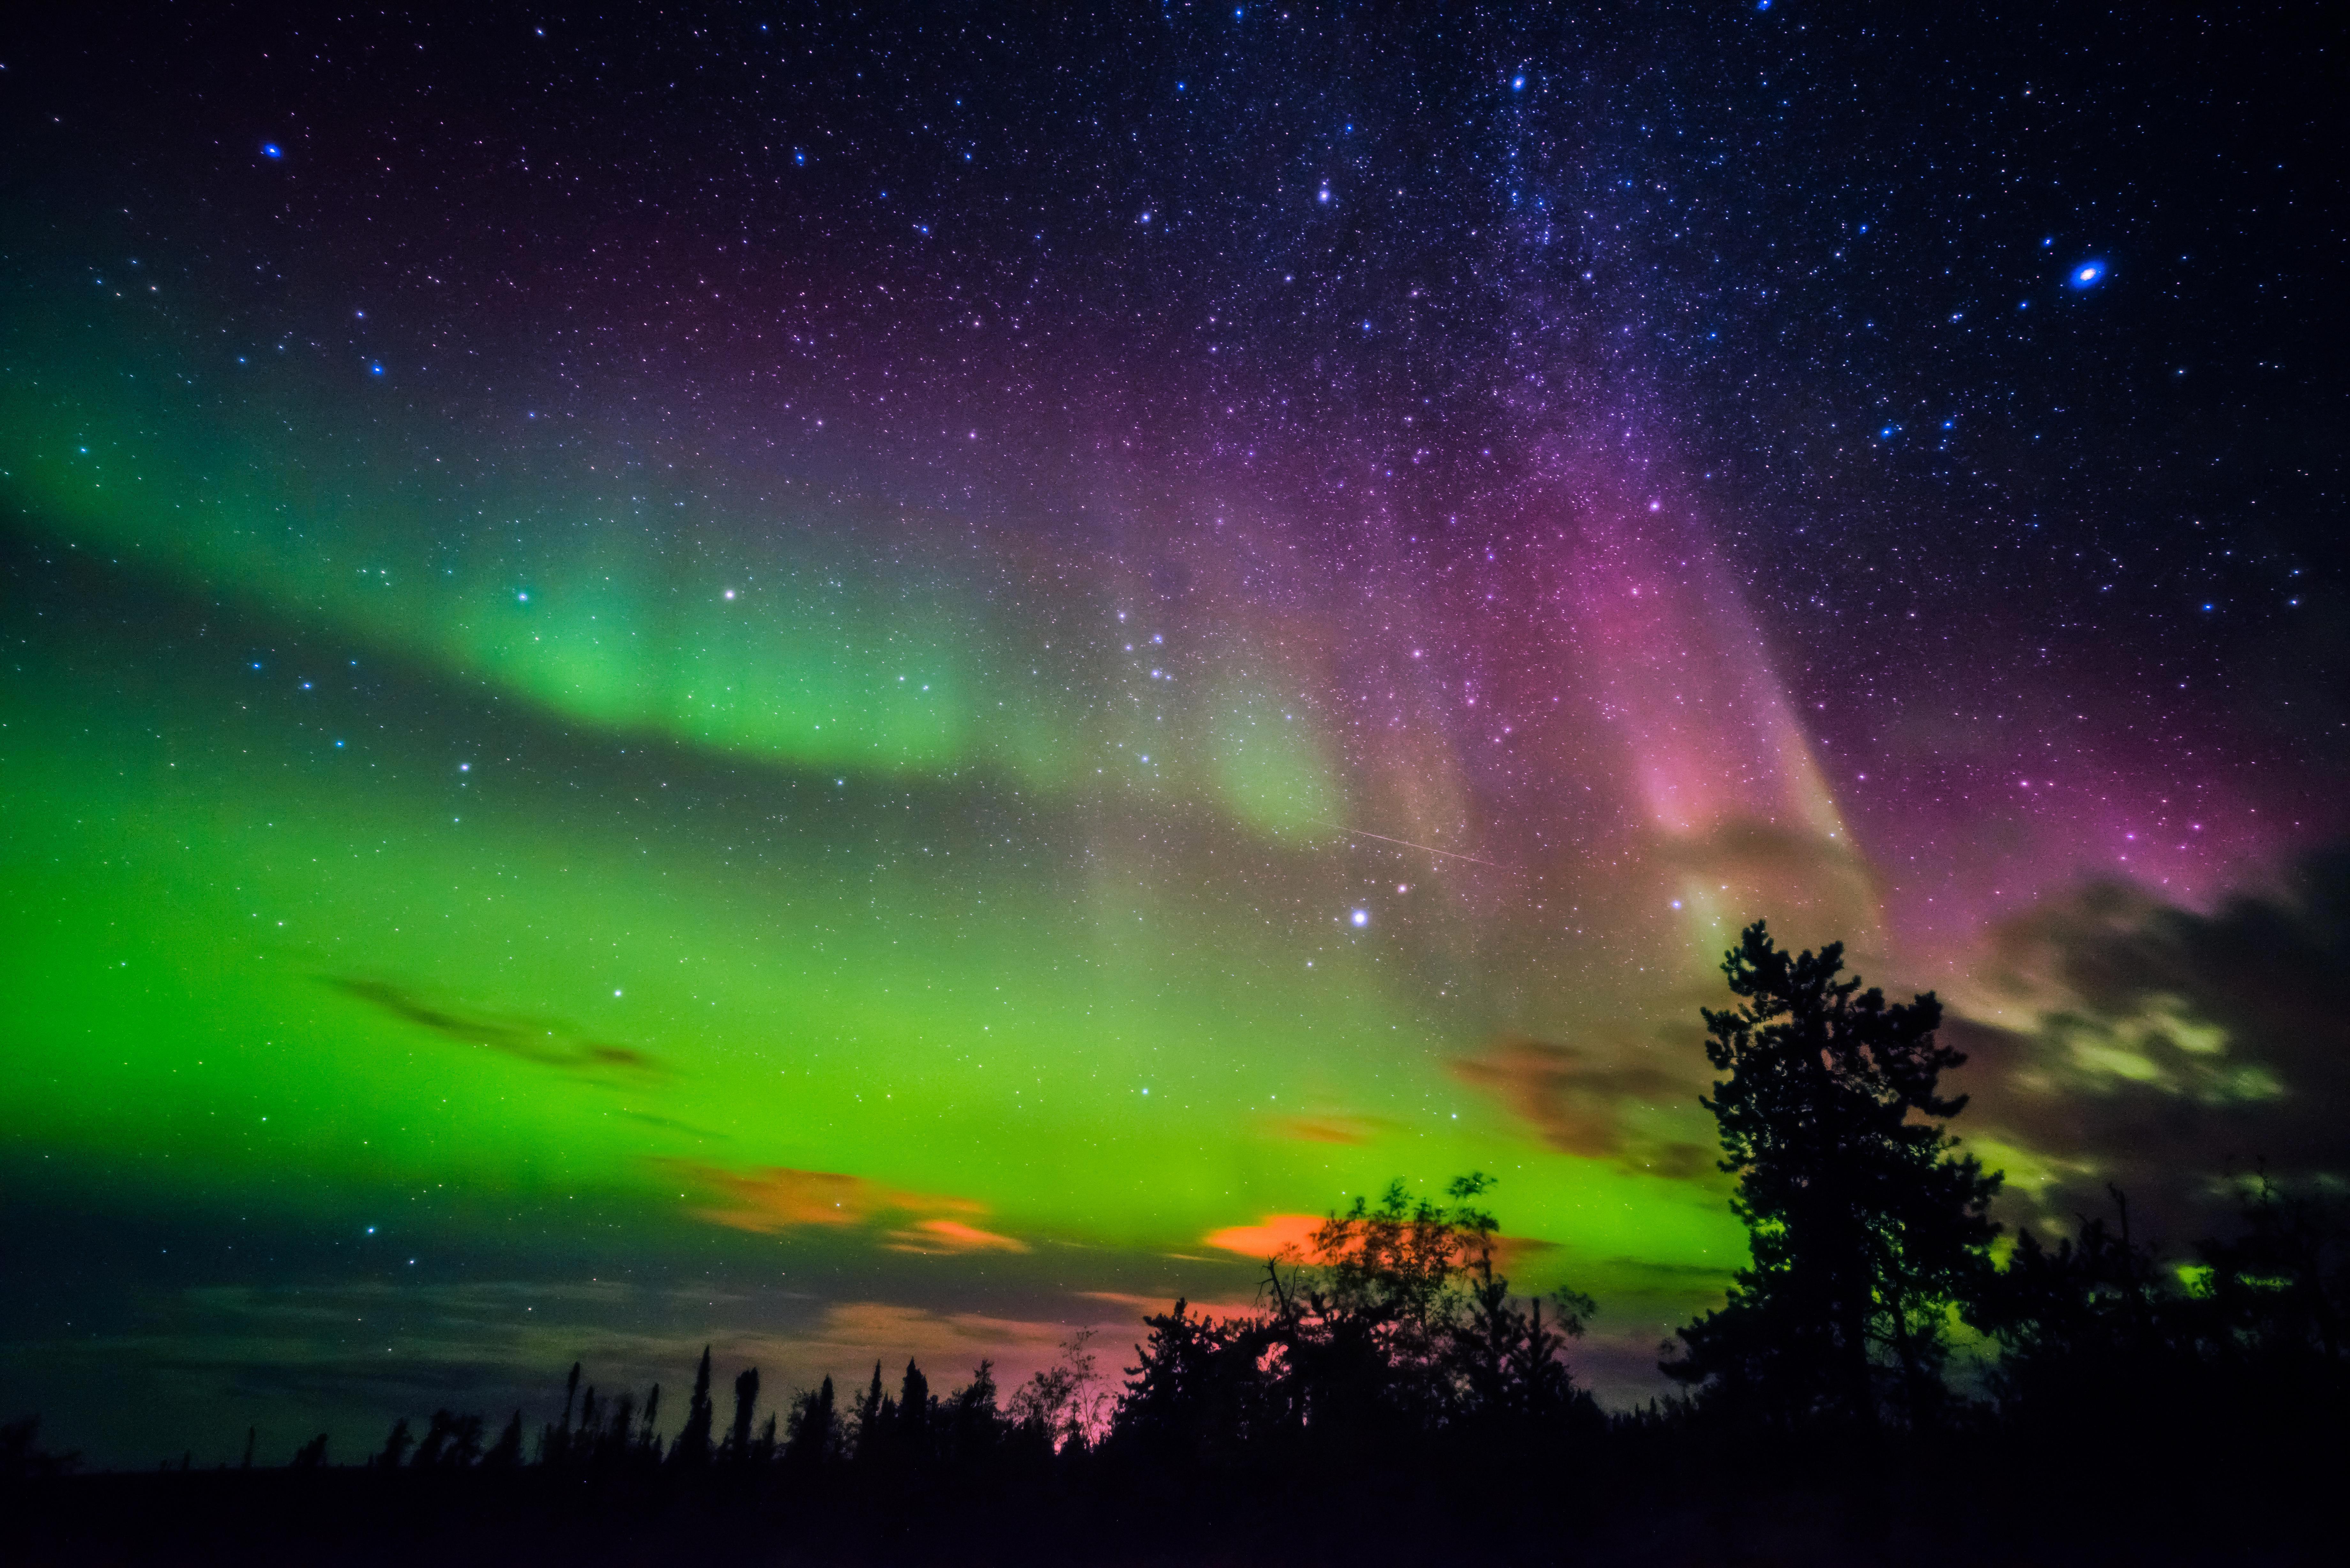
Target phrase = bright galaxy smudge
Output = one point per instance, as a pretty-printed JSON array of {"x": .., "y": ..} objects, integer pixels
[{"x": 848, "y": 713}]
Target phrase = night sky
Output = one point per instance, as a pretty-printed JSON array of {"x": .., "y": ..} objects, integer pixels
[{"x": 863, "y": 682}]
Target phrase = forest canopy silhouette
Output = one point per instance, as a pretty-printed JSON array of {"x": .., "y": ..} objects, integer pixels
[{"x": 1885, "y": 1337}]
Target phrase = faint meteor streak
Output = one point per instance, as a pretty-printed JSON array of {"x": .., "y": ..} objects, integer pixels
[{"x": 1408, "y": 844}]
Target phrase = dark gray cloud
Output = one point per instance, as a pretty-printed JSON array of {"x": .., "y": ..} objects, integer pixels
[
  {"x": 2175, "y": 1049},
  {"x": 1582, "y": 1106},
  {"x": 545, "y": 1041}
]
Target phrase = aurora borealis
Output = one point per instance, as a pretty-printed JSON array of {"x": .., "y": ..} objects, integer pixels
[{"x": 862, "y": 683}]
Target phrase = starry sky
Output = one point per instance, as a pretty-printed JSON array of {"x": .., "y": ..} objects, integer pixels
[{"x": 851, "y": 682}]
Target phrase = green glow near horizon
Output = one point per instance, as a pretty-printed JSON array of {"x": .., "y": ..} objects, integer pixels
[
  {"x": 194, "y": 869},
  {"x": 908, "y": 863}
]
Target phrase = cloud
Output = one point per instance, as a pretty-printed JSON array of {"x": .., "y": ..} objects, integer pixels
[
  {"x": 854, "y": 1334},
  {"x": 777, "y": 1198},
  {"x": 1291, "y": 1236},
  {"x": 1333, "y": 1129},
  {"x": 1271, "y": 1237},
  {"x": 540, "y": 1041},
  {"x": 938, "y": 1236},
  {"x": 1580, "y": 1106},
  {"x": 2167, "y": 1048}
]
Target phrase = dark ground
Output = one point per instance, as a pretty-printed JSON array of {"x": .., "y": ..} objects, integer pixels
[{"x": 366, "y": 1516}]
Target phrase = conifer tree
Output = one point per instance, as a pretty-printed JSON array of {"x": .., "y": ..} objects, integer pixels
[
  {"x": 1866, "y": 1226},
  {"x": 395, "y": 1447},
  {"x": 505, "y": 1454},
  {"x": 746, "y": 1396},
  {"x": 763, "y": 1448},
  {"x": 554, "y": 1441},
  {"x": 914, "y": 1411},
  {"x": 649, "y": 1431},
  {"x": 813, "y": 1433},
  {"x": 873, "y": 1411},
  {"x": 692, "y": 1445},
  {"x": 584, "y": 1443}
]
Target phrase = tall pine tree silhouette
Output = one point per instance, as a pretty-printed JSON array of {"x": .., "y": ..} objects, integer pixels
[
  {"x": 746, "y": 1398},
  {"x": 1865, "y": 1226},
  {"x": 692, "y": 1445}
]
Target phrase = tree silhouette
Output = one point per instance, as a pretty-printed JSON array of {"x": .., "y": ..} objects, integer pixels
[
  {"x": 746, "y": 1397},
  {"x": 554, "y": 1441},
  {"x": 620, "y": 1437},
  {"x": 1200, "y": 1390},
  {"x": 972, "y": 1421},
  {"x": 763, "y": 1447},
  {"x": 649, "y": 1442},
  {"x": 1865, "y": 1227},
  {"x": 812, "y": 1435},
  {"x": 396, "y": 1445},
  {"x": 1063, "y": 1404},
  {"x": 1366, "y": 1322},
  {"x": 915, "y": 1414},
  {"x": 2274, "y": 1294},
  {"x": 1396, "y": 1329},
  {"x": 873, "y": 1413},
  {"x": 21, "y": 1456},
  {"x": 1504, "y": 1365},
  {"x": 583, "y": 1442},
  {"x": 505, "y": 1454},
  {"x": 451, "y": 1442},
  {"x": 692, "y": 1445}
]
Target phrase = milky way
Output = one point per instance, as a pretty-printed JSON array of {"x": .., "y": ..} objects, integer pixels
[{"x": 858, "y": 685}]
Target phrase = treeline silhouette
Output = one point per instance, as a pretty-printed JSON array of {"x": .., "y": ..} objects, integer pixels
[{"x": 1887, "y": 1376}]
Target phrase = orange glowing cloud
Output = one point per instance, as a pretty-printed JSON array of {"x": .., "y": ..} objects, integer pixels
[
  {"x": 1339, "y": 1130},
  {"x": 937, "y": 1236},
  {"x": 777, "y": 1198},
  {"x": 1271, "y": 1237},
  {"x": 1291, "y": 1237}
]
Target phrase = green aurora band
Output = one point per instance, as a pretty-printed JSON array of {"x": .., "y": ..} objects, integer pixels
[
  {"x": 581, "y": 850},
  {"x": 595, "y": 854}
]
